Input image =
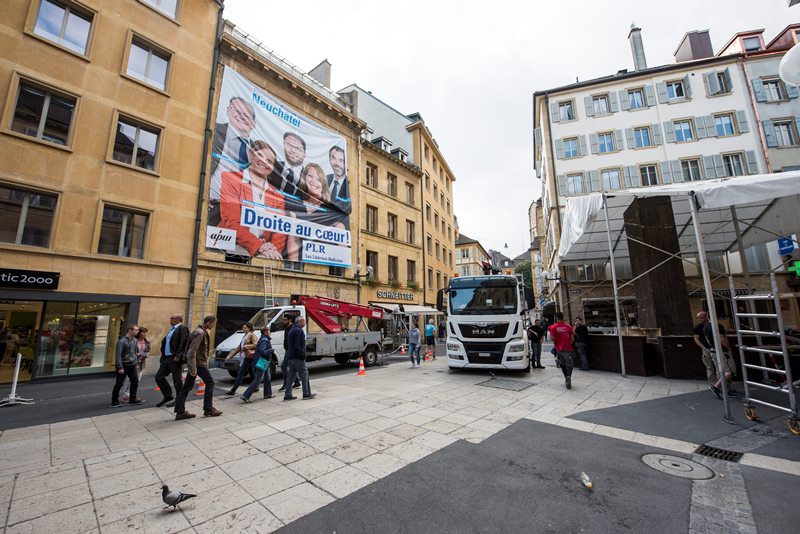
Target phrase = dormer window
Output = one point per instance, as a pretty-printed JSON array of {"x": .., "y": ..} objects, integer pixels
[
  {"x": 751, "y": 44},
  {"x": 400, "y": 154},
  {"x": 382, "y": 143}
]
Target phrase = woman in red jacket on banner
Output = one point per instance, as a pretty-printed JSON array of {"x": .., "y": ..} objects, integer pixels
[{"x": 250, "y": 186}]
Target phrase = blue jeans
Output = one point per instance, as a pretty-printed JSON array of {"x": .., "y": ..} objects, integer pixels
[
  {"x": 536, "y": 353},
  {"x": 413, "y": 349},
  {"x": 244, "y": 368},
  {"x": 266, "y": 376},
  {"x": 298, "y": 368}
]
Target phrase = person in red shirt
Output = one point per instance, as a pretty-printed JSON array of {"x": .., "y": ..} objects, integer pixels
[{"x": 563, "y": 337}]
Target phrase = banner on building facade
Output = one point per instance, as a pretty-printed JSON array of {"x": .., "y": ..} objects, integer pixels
[{"x": 278, "y": 180}]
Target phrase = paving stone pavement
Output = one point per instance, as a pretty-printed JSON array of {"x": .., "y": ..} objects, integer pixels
[{"x": 263, "y": 465}]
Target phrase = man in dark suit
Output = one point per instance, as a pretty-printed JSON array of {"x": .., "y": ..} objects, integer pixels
[
  {"x": 173, "y": 353},
  {"x": 296, "y": 354},
  {"x": 229, "y": 152},
  {"x": 286, "y": 175},
  {"x": 338, "y": 184}
]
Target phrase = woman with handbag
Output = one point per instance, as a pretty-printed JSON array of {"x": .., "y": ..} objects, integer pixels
[
  {"x": 247, "y": 347},
  {"x": 262, "y": 358}
]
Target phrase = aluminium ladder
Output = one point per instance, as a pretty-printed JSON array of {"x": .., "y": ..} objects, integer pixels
[{"x": 787, "y": 387}]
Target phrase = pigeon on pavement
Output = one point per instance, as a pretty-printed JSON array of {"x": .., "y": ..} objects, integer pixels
[{"x": 173, "y": 498}]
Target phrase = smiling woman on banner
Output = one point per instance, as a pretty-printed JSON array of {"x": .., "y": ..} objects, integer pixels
[
  {"x": 250, "y": 187},
  {"x": 315, "y": 206}
]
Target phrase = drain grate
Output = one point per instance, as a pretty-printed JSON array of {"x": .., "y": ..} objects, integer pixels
[
  {"x": 719, "y": 454},
  {"x": 505, "y": 383}
]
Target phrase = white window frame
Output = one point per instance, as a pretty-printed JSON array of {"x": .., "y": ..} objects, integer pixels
[
  {"x": 728, "y": 162},
  {"x": 676, "y": 124},
  {"x": 640, "y": 91},
  {"x": 601, "y": 144},
  {"x": 639, "y": 139},
  {"x": 606, "y": 178},
  {"x": 646, "y": 181},
  {"x": 686, "y": 166},
  {"x": 596, "y": 99},
  {"x": 568, "y": 153},
  {"x": 673, "y": 93},
  {"x": 568, "y": 108}
]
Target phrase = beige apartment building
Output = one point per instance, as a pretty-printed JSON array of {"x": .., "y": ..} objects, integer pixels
[
  {"x": 390, "y": 232},
  {"x": 470, "y": 256},
  {"x": 102, "y": 141}
]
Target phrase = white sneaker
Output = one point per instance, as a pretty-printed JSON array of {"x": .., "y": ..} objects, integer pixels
[{"x": 412, "y": 366}]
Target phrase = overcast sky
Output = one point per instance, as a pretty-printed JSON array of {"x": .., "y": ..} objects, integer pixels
[{"x": 470, "y": 68}]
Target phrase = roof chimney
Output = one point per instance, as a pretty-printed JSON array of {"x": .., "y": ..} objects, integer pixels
[
  {"x": 322, "y": 73},
  {"x": 694, "y": 45},
  {"x": 637, "y": 48}
]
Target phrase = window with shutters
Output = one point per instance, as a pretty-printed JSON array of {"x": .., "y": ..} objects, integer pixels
[
  {"x": 773, "y": 90},
  {"x": 571, "y": 148},
  {"x": 785, "y": 133},
  {"x": 372, "y": 175},
  {"x": 410, "y": 198},
  {"x": 733, "y": 164},
  {"x": 605, "y": 142},
  {"x": 411, "y": 271},
  {"x": 600, "y": 105},
  {"x": 676, "y": 90},
  {"x": 391, "y": 266},
  {"x": 391, "y": 220},
  {"x": 691, "y": 170},
  {"x": 391, "y": 184},
  {"x": 648, "y": 175},
  {"x": 42, "y": 113},
  {"x": 611, "y": 179},
  {"x": 683, "y": 131},
  {"x": 372, "y": 219},
  {"x": 642, "y": 137},
  {"x": 724, "y": 83},
  {"x": 410, "y": 231},
  {"x": 575, "y": 184},
  {"x": 724, "y": 124},
  {"x": 566, "y": 111},
  {"x": 636, "y": 99}
]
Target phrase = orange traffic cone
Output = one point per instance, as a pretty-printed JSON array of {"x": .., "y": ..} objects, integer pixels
[
  {"x": 427, "y": 355},
  {"x": 361, "y": 370},
  {"x": 201, "y": 389},
  {"x": 402, "y": 349}
]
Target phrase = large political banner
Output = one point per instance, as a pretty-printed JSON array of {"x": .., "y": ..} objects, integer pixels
[{"x": 279, "y": 186}]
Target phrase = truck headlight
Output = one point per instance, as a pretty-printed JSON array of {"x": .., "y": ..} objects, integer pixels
[
  {"x": 516, "y": 347},
  {"x": 453, "y": 347}
]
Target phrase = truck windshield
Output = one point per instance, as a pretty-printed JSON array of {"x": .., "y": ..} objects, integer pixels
[
  {"x": 486, "y": 297},
  {"x": 263, "y": 317}
]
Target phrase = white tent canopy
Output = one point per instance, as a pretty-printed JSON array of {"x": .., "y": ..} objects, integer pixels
[{"x": 766, "y": 208}]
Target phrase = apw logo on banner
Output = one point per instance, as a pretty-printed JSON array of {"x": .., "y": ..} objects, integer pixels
[{"x": 220, "y": 238}]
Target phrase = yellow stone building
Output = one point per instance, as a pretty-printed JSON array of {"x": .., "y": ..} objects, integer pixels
[{"x": 104, "y": 107}]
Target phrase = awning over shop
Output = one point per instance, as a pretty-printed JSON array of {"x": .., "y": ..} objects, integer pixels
[
  {"x": 766, "y": 209},
  {"x": 408, "y": 309}
]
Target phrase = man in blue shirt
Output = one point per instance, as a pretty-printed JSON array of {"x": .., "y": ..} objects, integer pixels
[
  {"x": 430, "y": 338},
  {"x": 173, "y": 352}
]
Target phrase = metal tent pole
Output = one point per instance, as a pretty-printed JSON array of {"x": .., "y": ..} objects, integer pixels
[
  {"x": 13, "y": 398},
  {"x": 616, "y": 289},
  {"x": 712, "y": 311}
]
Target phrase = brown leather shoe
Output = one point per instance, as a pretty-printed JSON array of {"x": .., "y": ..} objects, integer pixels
[
  {"x": 213, "y": 412},
  {"x": 184, "y": 415}
]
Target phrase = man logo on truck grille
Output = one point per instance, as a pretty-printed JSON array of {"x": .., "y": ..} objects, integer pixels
[{"x": 477, "y": 331}]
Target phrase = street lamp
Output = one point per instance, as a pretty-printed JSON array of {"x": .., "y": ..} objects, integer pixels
[{"x": 358, "y": 276}]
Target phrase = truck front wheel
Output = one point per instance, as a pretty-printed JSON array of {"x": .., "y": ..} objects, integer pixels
[{"x": 370, "y": 356}]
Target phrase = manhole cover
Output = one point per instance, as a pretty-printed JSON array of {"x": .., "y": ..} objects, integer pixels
[
  {"x": 505, "y": 383},
  {"x": 676, "y": 466}
]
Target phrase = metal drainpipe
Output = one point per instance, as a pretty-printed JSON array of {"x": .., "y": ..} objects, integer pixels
[
  {"x": 360, "y": 193},
  {"x": 753, "y": 102},
  {"x": 204, "y": 164}
]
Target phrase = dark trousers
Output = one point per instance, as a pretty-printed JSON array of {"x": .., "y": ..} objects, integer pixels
[
  {"x": 298, "y": 368},
  {"x": 169, "y": 367},
  {"x": 266, "y": 376},
  {"x": 536, "y": 353},
  {"x": 188, "y": 385},
  {"x": 285, "y": 372},
  {"x": 132, "y": 372},
  {"x": 245, "y": 368},
  {"x": 564, "y": 359},
  {"x": 583, "y": 349}
]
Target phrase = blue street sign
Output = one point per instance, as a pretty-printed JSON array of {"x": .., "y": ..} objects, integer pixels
[
  {"x": 786, "y": 246},
  {"x": 541, "y": 301}
]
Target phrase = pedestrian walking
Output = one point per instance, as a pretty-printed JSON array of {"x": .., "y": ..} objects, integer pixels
[
  {"x": 563, "y": 336},
  {"x": 704, "y": 338},
  {"x": 197, "y": 362},
  {"x": 261, "y": 364},
  {"x": 173, "y": 356},
  {"x": 430, "y": 341},
  {"x": 296, "y": 354},
  {"x": 142, "y": 353},
  {"x": 535, "y": 336},
  {"x": 414, "y": 345},
  {"x": 285, "y": 372},
  {"x": 126, "y": 365},
  {"x": 247, "y": 348},
  {"x": 582, "y": 343}
]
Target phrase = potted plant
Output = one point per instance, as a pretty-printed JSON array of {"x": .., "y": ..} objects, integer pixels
[{"x": 412, "y": 284}]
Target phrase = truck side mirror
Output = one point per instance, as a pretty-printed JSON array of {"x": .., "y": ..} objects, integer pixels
[
  {"x": 530, "y": 300},
  {"x": 440, "y": 300}
]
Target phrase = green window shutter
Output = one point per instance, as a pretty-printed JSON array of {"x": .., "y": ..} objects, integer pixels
[
  {"x": 630, "y": 138},
  {"x": 587, "y": 102},
  {"x": 619, "y": 144},
  {"x": 661, "y": 88},
  {"x": 700, "y": 127},
  {"x": 758, "y": 90},
  {"x": 562, "y": 185},
  {"x": 769, "y": 134},
  {"x": 612, "y": 97},
  {"x": 655, "y": 129},
  {"x": 582, "y": 145},
  {"x": 791, "y": 91},
  {"x": 752, "y": 162},
  {"x": 559, "y": 149},
  {"x": 708, "y": 167},
  {"x": 712, "y": 83},
  {"x": 687, "y": 86},
  {"x": 554, "y": 116},
  {"x": 623, "y": 100},
  {"x": 593, "y": 142},
  {"x": 669, "y": 131},
  {"x": 594, "y": 180},
  {"x": 650, "y": 96},
  {"x": 666, "y": 172},
  {"x": 719, "y": 166},
  {"x": 741, "y": 120},
  {"x": 632, "y": 176},
  {"x": 677, "y": 171}
]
